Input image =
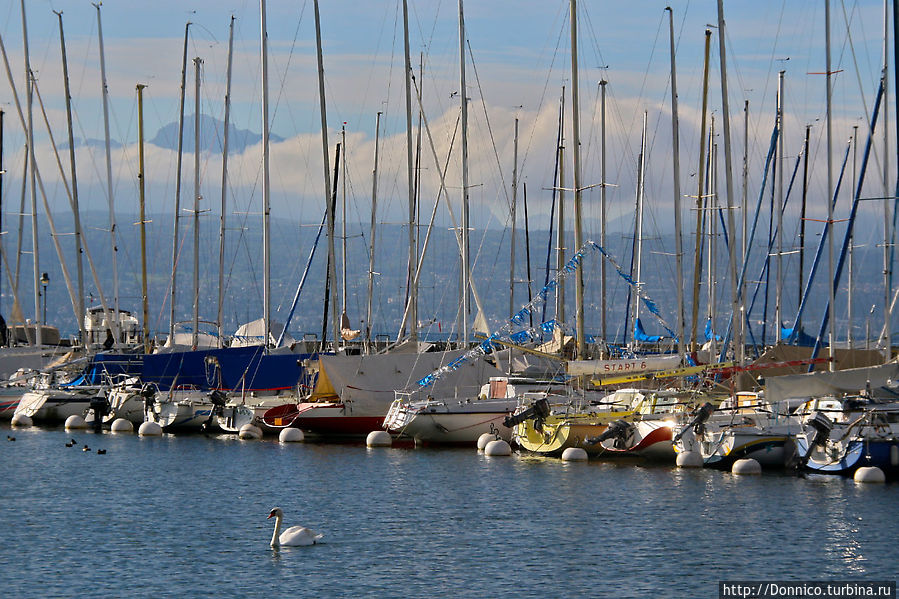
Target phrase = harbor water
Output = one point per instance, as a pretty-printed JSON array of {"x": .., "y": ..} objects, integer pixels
[{"x": 185, "y": 516}]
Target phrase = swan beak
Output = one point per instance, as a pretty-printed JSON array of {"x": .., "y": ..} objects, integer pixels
[{"x": 270, "y": 516}]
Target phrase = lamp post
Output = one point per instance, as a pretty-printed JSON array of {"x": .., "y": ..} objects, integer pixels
[{"x": 45, "y": 280}]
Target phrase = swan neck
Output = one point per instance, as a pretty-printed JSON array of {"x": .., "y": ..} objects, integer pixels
[{"x": 276, "y": 541}]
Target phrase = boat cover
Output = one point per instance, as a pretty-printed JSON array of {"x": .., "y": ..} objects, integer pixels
[
  {"x": 370, "y": 381},
  {"x": 879, "y": 379}
]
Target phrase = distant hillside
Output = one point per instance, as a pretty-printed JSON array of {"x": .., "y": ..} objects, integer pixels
[{"x": 212, "y": 132}]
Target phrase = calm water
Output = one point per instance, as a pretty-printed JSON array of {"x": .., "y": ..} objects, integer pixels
[{"x": 186, "y": 517}]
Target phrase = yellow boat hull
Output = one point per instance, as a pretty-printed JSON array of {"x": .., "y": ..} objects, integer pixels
[{"x": 559, "y": 432}]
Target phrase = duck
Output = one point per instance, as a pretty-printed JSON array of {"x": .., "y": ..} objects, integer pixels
[
  {"x": 294, "y": 536},
  {"x": 85, "y": 448},
  {"x": 10, "y": 438},
  {"x": 101, "y": 451}
]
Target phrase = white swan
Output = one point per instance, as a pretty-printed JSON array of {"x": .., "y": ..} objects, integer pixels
[{"x": 293, "y": 536}]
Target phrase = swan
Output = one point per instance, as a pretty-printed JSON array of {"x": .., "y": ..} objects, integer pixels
[{"x": 293, "y": 536}]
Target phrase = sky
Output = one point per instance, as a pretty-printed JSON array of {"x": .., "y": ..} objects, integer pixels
[{"x": 518, "y": 60}]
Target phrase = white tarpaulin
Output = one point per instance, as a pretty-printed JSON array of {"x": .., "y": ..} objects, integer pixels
[
  {"x": 370, "y": 381},
  {"x": 820, "y": 384}
]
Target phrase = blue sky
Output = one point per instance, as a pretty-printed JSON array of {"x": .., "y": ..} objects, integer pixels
[{"x": 520, "y": 61}]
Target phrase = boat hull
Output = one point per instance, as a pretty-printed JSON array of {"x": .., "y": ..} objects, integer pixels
[
  {"x": 651, "y": 440},
  {"x": 326, "y": 419},
  {"x": 558, "y": 433},
  {"x": 54, "y": 406},
  {"x": 857, "y": 453}
]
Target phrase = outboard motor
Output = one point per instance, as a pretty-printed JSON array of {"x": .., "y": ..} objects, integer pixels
[
  {"x": 619, "y": 430},
  {"x": 822, "y": 425},
  {"x": 218, "y": 399},
  {"x": 538, "y": 411},
  {"x": 100, "y": 407},
  {"x": 148, "y": 392},
  {"x": 698, "y": 420}
]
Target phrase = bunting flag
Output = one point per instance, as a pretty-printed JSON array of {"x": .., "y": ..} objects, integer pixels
[{"x": 517, "y": 321}]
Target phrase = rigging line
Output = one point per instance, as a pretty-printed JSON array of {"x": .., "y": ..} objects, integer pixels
[
  {"x": 283, "y": 74},
  {"x": 537, "y": 113},
  {"x": 489, "y": 128},
  {"x": 855, "y": 64}
]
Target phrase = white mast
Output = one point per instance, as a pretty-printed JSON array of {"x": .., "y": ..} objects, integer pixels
[
  {"x": 411, "y": 275},
  {"x": 220, "y": 317},
  {"x": 560, "y": 214},
  {"x": 737, "y": 302},
  {"x": 887, "y": 199},
  {"x": 640, "y": 196},
  {"x": 513, "y": 218},
  {"x": 111, "y": 198},
  {"x": 76, "y": 212},
  {"x": 830, "y": 267},
  {"x": 143, "y": 229},
  {"x": 675, "y": 163},
  {"x": 781, "y": 165},
  {"x": 602, "y": 200},
  {"x": 175, "y": 232},
  {"x": 343, "y": 222},
  {"x": 332, "y": 273},
  {"x": 463, "y": 93},
  {"x": 371, "y": 255},
  {"x": 711, "y": 192},
  {"x": 198, "y": 64},
  {"x": 575, "y": 155},
  {"x": 38, "y": 323},
  {"x": 266, "y": 255}
]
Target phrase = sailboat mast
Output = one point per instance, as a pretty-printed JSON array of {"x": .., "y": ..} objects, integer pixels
[
  {"x": 700, "y": 215},
  {"x": 374, "y": 211},
  {"x": 640, "y": 197},
  {"x": 141, "y": 179},
  {"x": 2, "y": 172},
  {"x": 602, "y": 204},
  {"x": 220, "y": 315},
  {"x": 778, "y": 294},
  {"x": 331, "y": 208},
  {"x": 744, "y": 211},
  {"x": 76, "y": 212},
  {"x": 736, "y": 301},
  {"x": 675, "y": 166},
  {"x": 38, "y": 323},
  {"x": 527, "y": 250},
  {"x": 711, "y": 193},
  {"x": 198, "y": 64},
  {"x": 266, "y": 191},
  {"x": 830, "y": 249},
  {"x": 343, "y": 222},
  {"x": 411, "y": 290},
  {"x": 560, "y": 233},
  {"x": 887, "y": 218},
  {"x": 110, "y": 196},
  {"x": 463, "y": 93},
  {"x": 797, "y": 325},
  {"x": 513, "y": 218},
  {"x": 580, "y": 339},
  {"x": 849, "y": 335},
  {"x": 174, "y": 279}
]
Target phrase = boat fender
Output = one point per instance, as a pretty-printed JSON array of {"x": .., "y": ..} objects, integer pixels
[{"x": 869, "y": 474}]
